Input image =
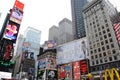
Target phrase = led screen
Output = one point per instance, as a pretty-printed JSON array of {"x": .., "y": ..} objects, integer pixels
[{"x": 11, "y": 31}]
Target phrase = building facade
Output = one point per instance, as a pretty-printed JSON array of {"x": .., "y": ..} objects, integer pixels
[
  {"x": 33, "y": 37},
  {"x": 53, "y": 33},
  {"x": 65, "y": 31},
  {"x": 99, "y": 17},
  {"x": 77, "y": 18}
]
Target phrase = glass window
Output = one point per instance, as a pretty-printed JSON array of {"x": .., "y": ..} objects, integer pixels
[
  {"x": 104, "y": 53},
  {"x": 110, "y": 58},
  {"x": 100, "y": 55},
  {"x": 112, "y": 45}
]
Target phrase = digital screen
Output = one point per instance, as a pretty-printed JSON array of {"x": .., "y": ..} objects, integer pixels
[
  {"x": 83, "y": 67},
  {"x": 16, "y": 15},
  {"x": 52, "y": 74},
  {"x": 76, "y": 70},
  {"x": 11, "y": 31}
]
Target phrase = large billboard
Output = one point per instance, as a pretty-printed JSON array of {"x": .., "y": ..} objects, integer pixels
[
  {"x": 72, "y": 51},
  {"x": 11, "y": 31},
  {"x": 65, "y": 72},
  {"x": 51, "y": 44},
  {"x": 117, "y": 30},
  {"x": 17, "y": 12}
]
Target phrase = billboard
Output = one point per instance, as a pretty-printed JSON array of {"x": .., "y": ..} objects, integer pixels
[
  {"x": 42, "y": 63},
  {"x": 51, "y": 63},
  {"x": 51, "y": 74},
  {"x": 72, "y": 51},
  {"x": 11, "y": 31},
  {"x": 17, "y": 12},
  {"x": 51, "y": 44},
  {"x": 76, "y": 70},
  {"x": 84, "y": 66},
  {"x": 65, "y": 72},
  {"x": 117, "y": 30}
]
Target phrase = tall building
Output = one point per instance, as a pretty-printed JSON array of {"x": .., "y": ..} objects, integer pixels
[
  {"x": 33, "y": 37},
  {"x": 53, "y": 33},
  {"x": 99, "y": 17},
  {"x": 77, "y": 18},
  {"x": 65, "y": 31}
]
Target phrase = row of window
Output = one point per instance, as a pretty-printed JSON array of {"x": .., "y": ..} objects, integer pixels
[
  {"x": 104, "y": 60},
  {"x": 105, "y": 66}
]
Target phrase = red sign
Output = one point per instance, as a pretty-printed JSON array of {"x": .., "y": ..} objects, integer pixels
[
  {"x": 17, "y": 12},
  {"x": 117, "y": 30},
  {"x": 83, "y": 67},
  {"x": 76, "y": 70},
  {"x": 19, "y": 5}
]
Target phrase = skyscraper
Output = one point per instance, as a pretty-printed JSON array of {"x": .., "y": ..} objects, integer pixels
[
  {"x": 99, "y": 17},
  {"x": 53, "y": 33},
  {"x": 33, "y": 37},
  {"x": 77, "y": 18},
  {"x": 65, "y": 31}
]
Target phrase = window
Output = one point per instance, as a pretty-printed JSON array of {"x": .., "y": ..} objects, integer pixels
[
  {"x": 100, "y": 55},
  {"x": 108, "y": 30},
  {"x": 97, "y": 62},
  {"x": 110, "y": 58},
  {"x": 102, "y": 27},
  {"x": 106, "y": 25},
  {"x": 110, "y": 40},
  {"x": 112, "y": 45},
  {"x": 93, "y": 63},
  {"x": 101, "y": 61},
  {"x": 104, "y": 32},
  {"x": 99, "y": 49},
  {"x": 106, "y": 41},
  {"x": 109, "y": 35},
  {"x": 113, "y": 51},
  {"x": 115, "y": 57},
  {"x": 107, "y": 47},
  {"x": 92, "y": 57},
  {"x": 105, "y": 21},
  {"x": 105, "y": 36},
  {"x": 105, "y": 59},
  {"x": 103, "y": 48},
  {"x": 96, "y": 56},
  {"x": 102, "y": 43},
  {"x": 104, "y": 53}
]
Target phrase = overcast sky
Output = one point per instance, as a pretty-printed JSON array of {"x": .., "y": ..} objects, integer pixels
[{"x": 42, "y": 14}]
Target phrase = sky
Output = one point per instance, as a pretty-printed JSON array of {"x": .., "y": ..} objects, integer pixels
[{"x": 42, "y": 14}]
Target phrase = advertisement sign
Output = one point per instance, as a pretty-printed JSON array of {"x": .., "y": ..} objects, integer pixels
[
  {"x": 83, "y": 67},
  {"x": 42, "y": 63},
  {"x": 41, "y": 75},
  {"x": 17, "y": 12},
  {"x": 72, "y": 51},
  {"x": 65, "y": 72},
  {"x": 8, "y": 50},
  {"x": 51, "y": 44},
  {"x": 76, "y": 70},
  {"x": 51, "y": 63},
  {"x": 117, "y": 31},
  {"x": 11, "y": 31},
  {"x": 112, "y": 73},
  {"x": 51, "y": 74}
]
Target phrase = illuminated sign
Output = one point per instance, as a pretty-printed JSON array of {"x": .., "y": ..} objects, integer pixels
[
  {"x": 11, "y": 31},
  {"x": 111, "y": 74},
  {"x": 17, "y": 12},
  {"x": 76, "y": 70},
  {"x": 83, "y": 67},
  {"x": 51, "y": 44}
]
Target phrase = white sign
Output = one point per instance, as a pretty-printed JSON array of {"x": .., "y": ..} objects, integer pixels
[{"x": 72, "y": 51}]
